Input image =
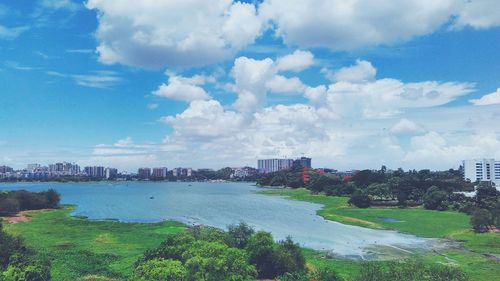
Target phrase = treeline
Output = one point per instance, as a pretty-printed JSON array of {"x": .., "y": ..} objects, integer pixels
[
  {"x": 432, "y": 190},
  {"x": 19, "y": 263},
  {"x": 211, "y": 254},
  {"x": 241, "y": 254},
  {"x": 12, "y": 202}
]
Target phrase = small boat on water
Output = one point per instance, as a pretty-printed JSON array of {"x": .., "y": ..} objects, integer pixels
[{"x": 152, "y": 197}]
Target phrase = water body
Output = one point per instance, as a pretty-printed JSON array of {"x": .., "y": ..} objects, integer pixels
[{"x": 221, "y": 204}]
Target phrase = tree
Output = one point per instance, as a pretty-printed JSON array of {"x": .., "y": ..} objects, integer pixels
[
  {"x": 239, "y": 234},
  {"x": 481, "y": 219},
  {"x": 289, "y": 257},
  {"x": 160, "y": 269},
  {"x": 214, "y": 261},
  {"x": 8, "y": 206},
  {"x": 53, "y": 198},
  {"x": 360, "y": 200},
  {"x": 435, "y": 199},
  {"x": 261, "y": 254}
]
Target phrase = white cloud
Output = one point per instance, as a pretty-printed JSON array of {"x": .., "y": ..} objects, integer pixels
[
  {"x": 282, "y": 84},
  {"x": 297, "y": 61},
  {"x": 405, "y": 126},
  {"x": 10, "y": 33},
  {"x": 183, "y": 88},
  {"x": 340, "y": 25},
  {"x": 362, "y": 71},
  {"x": 493, "y": 98},
  {"x": 60, "y": 4},
  {"x": 479, "y": 14},
  {"x": 204, "y": 119},
  {"x": 102, "y": 79},
  {"x": 175, "y": 33},
  {"x": 153, "y": 106}
]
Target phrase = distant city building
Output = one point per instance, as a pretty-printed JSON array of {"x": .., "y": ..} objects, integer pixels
[
  {"x": 273, "y": 165},
  {"x": 31, "y": 168},
  {"x": 110, "y": 173},
  {"x": 182, "y": 172},
  {"x": 160, "y": 173},
  {"x": 303, "y": 162},
  {"x": 482, "y": 170},
  {"x": 243, "y": 172},
  {"x": 144, "y": 173},
  {"x": 95, "y": 171},
  {"x": 6, "y": 169}
]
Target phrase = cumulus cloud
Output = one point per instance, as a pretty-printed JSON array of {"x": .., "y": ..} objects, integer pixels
[
  {"x": 478, "y": 14},
  {"x": 183, "y": 88},
  {"x": 405, "y": 126},
  {"x": 341, "y": 25},
  {"x": 297, "y": 61},
  {"x": 175, "y": 33},
  {"x": 362, "y": 71},
  {"x": 493, "y": 98}
]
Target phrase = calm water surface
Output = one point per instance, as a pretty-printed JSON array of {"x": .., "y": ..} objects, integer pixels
[{"x": 221, "y": 204}]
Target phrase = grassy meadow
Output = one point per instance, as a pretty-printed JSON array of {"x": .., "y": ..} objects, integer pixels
[
  {"x": 474, "y": 257},
  {"x": 82, "y": 249}
]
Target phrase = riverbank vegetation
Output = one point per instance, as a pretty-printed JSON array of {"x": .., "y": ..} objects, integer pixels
[
  {"x": 12, "y": 202},
  {"x": 477, "y": 254},
  {"x": 402, "y": 189}
]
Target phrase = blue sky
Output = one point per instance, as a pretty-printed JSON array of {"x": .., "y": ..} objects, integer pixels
[{"x": 353, "y": 84}]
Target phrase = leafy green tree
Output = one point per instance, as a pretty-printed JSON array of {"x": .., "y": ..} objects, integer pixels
[
  {"x": 8, "y": 206},
  {"x": 260, "y": 249},
  {"x": 173, "y": 247},
  {"x": 360, "y": 200},
  {"x": 53, "y": 198},
  {"x": 288, "y": 257},
  {"x": 239, "y": 234},
  {"x": 214, "y": 261},
  {"x": 481, "y": 220},
  {"x": 435, "y": 199},
  {"x": 160, "y": 269}
]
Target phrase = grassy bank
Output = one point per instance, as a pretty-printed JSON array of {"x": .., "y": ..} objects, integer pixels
[
  {"x": 474, "y": 258},
  {"x": 81, "y": 248}
]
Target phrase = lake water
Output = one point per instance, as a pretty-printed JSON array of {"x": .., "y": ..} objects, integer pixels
[{"x": 221, "y": 204}]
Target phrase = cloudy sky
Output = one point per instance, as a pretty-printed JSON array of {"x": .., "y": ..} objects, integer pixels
[{"x": 350, "y": 83}]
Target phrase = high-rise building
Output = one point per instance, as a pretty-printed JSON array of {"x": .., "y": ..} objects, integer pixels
[
  {"x": 6, "y": 169},
  {"x": 31, "y": 168},
  {"x": 95, "y": 171},
  {"x": 144, "y": 173},
  {"x": 110, "y": 173},
  {"x": 303, "y": 162},
  {"x": 160, "y": 173},
  {"x": 182, "y": 172},
  {"x": 273, "y": 165},
  {"x": 482, "y": 170}
]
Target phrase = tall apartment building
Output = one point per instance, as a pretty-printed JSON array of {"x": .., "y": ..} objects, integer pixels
[
  {"x": 273, "y": 165},
  {"x": 110, "y": 173},
  {"x": 95, "y": 171},
  {"x": 160, "y": 173},
  {"x": 482, "y": 170},
  {"x": 31, "y": 168},
  {"x": 304, "y": 162},
  {"x": 144, "y": 173},
  {"x": 182, "y": 172}
]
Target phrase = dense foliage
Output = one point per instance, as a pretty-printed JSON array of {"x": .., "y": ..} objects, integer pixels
[
  {"x": 18, "y": 263},
  {"x": 206, "y": 254},
  {"x": 12, "y": 202},
  {"x": 432, "y": 190},
  {"x": 410, "y": 270}
]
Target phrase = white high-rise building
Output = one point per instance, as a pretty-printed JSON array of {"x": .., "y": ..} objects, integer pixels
[
  {"x": 482, "y": 170},
  {"x": 273, "y": 165}
]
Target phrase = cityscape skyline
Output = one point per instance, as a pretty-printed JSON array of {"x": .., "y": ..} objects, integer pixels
[{"x": 93, "y": 82}]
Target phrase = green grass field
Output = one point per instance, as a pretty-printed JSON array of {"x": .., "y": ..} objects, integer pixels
[
  {"x": 426, "y": 223},
  {"x": 81, "y": 248}
]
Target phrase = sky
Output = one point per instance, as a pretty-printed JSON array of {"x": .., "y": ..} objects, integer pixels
[{"x": 206, "y": 84}]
